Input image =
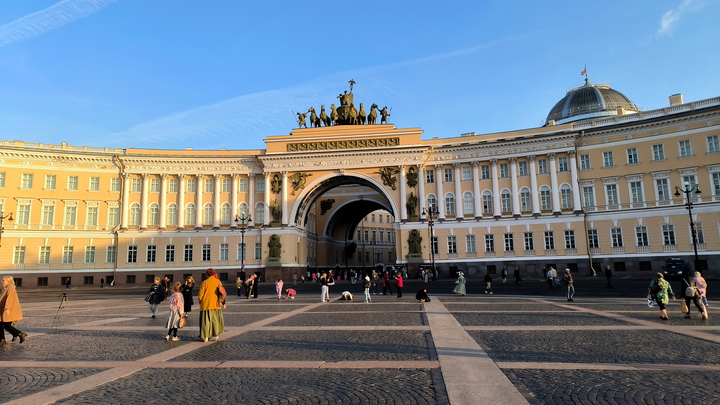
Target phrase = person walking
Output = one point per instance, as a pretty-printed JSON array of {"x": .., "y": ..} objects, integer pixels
[
  {"x": 503, "y": 273},
  {"x": 187, "y": 293},
  {"x": 660, "y": 291},
  {"x": 166, "y": 285},
  {"x": 460, "y": 284},
  {"x": 690, "y": 293},
  {"x": 177, "y": 312},
  {"x": 250, "y": 286},
  {"x": 10, "y": 311},
  {"x": 608, "y": 276},
  {"x": 366, "y": 288},
  {"x": 324, "y": 289},
  {"x": 157, "y": 295},
  {"x": 516, "y": 274},
  {"x": 702, "y": 289},
  {"x": 239, "y": 284},
  {"x": 279, "y": 287},
  {"x": 569, "y": 287},
  {"x": 102, "y": 283},
  {"x": 211, "y": 296},
  {"x": 399, "y": 284},
  {"x": 386, "y": 283},
  {"x": 488, "y": 283},
  {"x": 375, "y": 280}
]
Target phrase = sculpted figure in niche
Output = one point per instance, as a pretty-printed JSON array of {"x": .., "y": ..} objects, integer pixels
[
  {"x": 275, "y": 246},
  {"x": 412, "y": 177},
  {"x": 411, "y": 204},
  {"x": 415, "y": 242},
  {"x": 275, "y": 210},
  {"x": 387, "y": 174},
  {"x": 275, "y": 185}
]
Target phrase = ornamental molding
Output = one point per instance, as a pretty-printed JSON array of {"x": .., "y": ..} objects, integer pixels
[{"x": 348, "y": 144}]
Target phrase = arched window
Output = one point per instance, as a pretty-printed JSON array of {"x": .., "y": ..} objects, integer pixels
[
  {"x": 525, "y": 200},
  {"x": 431, "y": 201},
  {"x": 487, "y": 202},
  {"x": 134, "y": 214},
  {"x": 208, "y": 214},
  {"x": 450, "y": 204},
  {"x": 505, "y": 201},
  {"x": 566, "y": 196},
  {"x": 190, "y": 214},
  {"x": 153, "y": 215},
  {"x": 259, "y": 213},
  {"x": 172, "y": 215},
  {"x": 468, "y": 203},
  {"x": 243, "y": 208},
  {"x": 545, "y": 202},
  {"x": 225, "y": 214}
]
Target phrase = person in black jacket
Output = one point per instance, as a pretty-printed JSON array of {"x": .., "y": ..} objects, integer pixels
[{"x": 157, "y": 295}]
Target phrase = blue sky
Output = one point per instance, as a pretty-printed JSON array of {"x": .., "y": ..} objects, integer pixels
[{"x": 171, "y": 74}]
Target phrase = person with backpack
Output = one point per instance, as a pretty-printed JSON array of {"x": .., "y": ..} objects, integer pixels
[
  {"x": 211, "y": 297},
  {"x": 156, "y": 295},
  {"x": 660, "y": 291}
]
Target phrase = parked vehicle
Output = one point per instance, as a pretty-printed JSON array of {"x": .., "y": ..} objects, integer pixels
[{"x": 674, "y": 268}]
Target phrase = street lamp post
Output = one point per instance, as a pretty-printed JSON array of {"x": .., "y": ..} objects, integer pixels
[
  {"x": 431, "y": 214},
  {"x": 242, "y": 224},
  {"x": 3, "y": 217},
  {"x": 688, "y": 190}
]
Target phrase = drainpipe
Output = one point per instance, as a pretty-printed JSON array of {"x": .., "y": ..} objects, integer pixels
[{"x": 578, "y": 139}]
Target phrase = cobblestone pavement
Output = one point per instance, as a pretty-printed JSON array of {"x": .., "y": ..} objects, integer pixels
[{"x": 477, "y": 349}]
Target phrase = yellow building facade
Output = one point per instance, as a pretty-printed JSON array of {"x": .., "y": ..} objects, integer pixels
[{"x": 586, "y": 190}]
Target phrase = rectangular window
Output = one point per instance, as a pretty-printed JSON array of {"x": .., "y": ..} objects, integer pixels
[
  {"x": 130, "y": 279},
  {"x": 188, "y": 253},
  {"x": 241, "y": 253},
  {"x": 113, "y": 216},
  {"x": 593, "y": 239},
  {"x": 685, "y": 150},
  {"x": 26, "y": 181},
  {"x": 94, "y": 184},
  {"x": 88, "y": 280},
  {"x": 608, "y": 159},
  {"x": 226, "y": 185},
  {"x": 260, "y": 185},
  {"x": 699, "y": 233},
  {"x": 716, "y": 184},
  {"x": 466, "y": 173},
  {"x": 566, "y": 198},
  {"x": 2, "y": 179},
  {"x": 170, "y": 253},
  {"x": 505, "y": 202},
  {"x": 668, "y": 235},
  {"x": 70, "y": 216},
  {"x": 658, "y": 152},
  {"x": 612, "y": 194},
  {"x": 525, "y": 202},
  {"x": 243, "y": 185},
  {"x": 224, "y": 252},
  {"x": 632, "y": 156},
  {"x": 173, "y": 185},
  {"x": 23, "y": 214},
  {"x": 258, "y": 251},
  {"x": 72, "y": 183},
  {"x": 523, "y": 168},
  {"x": 435, "y": 246},
  {"x": 42, "y": 281},
  {"x": 663, "y": 189},
  {"x": 569, "y": 239},
  {"x": 154, "y": 185},
  {"x": 67, "y": 257},
  {"x": 132, "y": 254},
  {"x": 92, "y": 216},
  {"x": 48, "y": 214},
  {"x": 151, "y": 254},
  {"x": 448, "y": 175},
  {"x": 114, "y": 185},
  {"x": 489, "y": 243},
  {"x": 584, "y": 162},
  {"x": 616, "y": 237},
  {"x": 429, "y": 176},
  {"x": 470, "y": 243},
  {"x": 636, "y": 192},
  {"x": 509, "y": 242},
  {"x": 713, "y": 144},
  {"x": 209, "y": 185},
  {"x": 641, "y": 236},
  {"x": 563, "y": 164},
  {"x": 542, "y": 166},
  {"x": 485, "y": 172},
  {"x": 89, "y": 254},
  {"x": 50, "y": 182},
  {"x": 136, "y": 185},
  {"x": 504, "y": 172},
  {"x": 19, "y": 255},
  {"x": 545, "y": 199},
  {"x": 206, "y": 249},
  {"x": 528, "y": 241},
  {"x": 549, "y": 240},
  {"x": 110, "y": 254},
  {"x": 190, "y": 186},
  {"x": 452, "y": 244}
]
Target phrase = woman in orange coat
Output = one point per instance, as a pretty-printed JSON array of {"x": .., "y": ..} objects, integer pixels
[
  {"x": 10, "y": 311},
  {"x": 211, "y": 299}
]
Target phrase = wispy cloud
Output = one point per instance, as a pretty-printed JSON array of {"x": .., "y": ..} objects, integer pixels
[
  {"x": 670, "y": 19},
  {"x": 55, "y": 16}
]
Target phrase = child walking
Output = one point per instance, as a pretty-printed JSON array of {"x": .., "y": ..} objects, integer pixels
[{"x": 177, "y": 311}]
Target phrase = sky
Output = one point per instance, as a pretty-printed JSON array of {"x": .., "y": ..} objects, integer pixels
[{"x": 176, "y": 74}]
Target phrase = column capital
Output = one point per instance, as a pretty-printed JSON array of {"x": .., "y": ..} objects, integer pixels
[
  {"x": 494, "y": 161},
  {"x": 551, "y": 156},
  {"x": 513, "y": 160},
  {"x": 531, "y": 158}
]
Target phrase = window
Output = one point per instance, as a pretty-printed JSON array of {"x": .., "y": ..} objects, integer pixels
[
  {"x": 641, "y": 236},
  {"x": 487, "y": 203},
  {"x": 608, "y": 159},
  {"x": 19, "y": 255},
  {"x": 88, "y": 279},
  {"x": 685, "y": 150},
  {"x": 114, "y": 185},
  {"x": 241, "y": 254},
  {"x": 206, "y": 248},
  {"x": 258, "y": 251},
  {"x": 50, "y": 182},
  {"x": 690, "y": 179},
  {"x": 172, "y": 185},
  {"x": 2, "y": 179},
  {"x": 468, "y": 204},
  {"x": 134, "y": 219},
  {"x": 92, "y": 216},
  {"x": 226, "y": 185},
  {"x": 528, "y": 241},
  {"x": 154, "y": 185},
  {"x": 563, "y": 164},
  {"x": 380, "y": 219},
  {"x": 505, "y": 201},
  {"x": 658, "y": 152},
  {"x": 713, "y": 144},
  {"x": 136, "y": 185},
  {"x": 243, "y": 185},
  {"x": 504, "y": 173},
  {"x": 151, "y": 256},
  {"x": 113, "y": 216},
  {"x": 549, "y": 240},
  {"x": 89, "y": 254},
  {"x": 208, "y": 214},
  {"x": 224, "y": 252},
  {"x": 170, "y": 253},
  {"x": 593, "y": 240},
  {"x": 48, "y": 214},
  {"x": 372, "y": 218},
  {"x": 190, "y": 214},
  {"x": 699, "y": 233},
  {"x": 611, "y": 194},
  {"x": 449, "y": 205},
  {"x": 130, "y": 279},
  {"x": 566, "y": 197},
  {"x": 489, "y": 243},
  {"x": 616, "y": 237},
  {"x": 588, "y": 196},
  {"x": 525, "y": 201},
  {"x": 110, "y": 254},
  {"x": 584, "y": 162},
  {"x": 23, "y": 214},
  {"x": 509, "y": 242},
  {"x": 470, "y": 243},
  {"x": 569, "y": 239},
  {"x": 190, "y": 185},
  {"x": 153, "y": 215},
  {"x": 431, "y": 201},
  {"x": 259, "y": 213},
  {"x": 132, "y": 254},
  {"x": 72, "y": 183},
  {"x": 545, "y": 201},
  {"x": 42, "y": 281},
  {"x": 260, "y": 185},
  {"x": 636, "y": 192},
  {"x": 429, "y": 176},
  {"x": 485, "y": 172},
  {"x": 668, "y": 235},
  {"x": 172, "y": 215},
  {"x": 632, "y": 156},
  {"x": 209, "y": 185},
  {"x": 26, "y": 181},
  {"x": 67, "y": 256},
  {"x": 542, "y": 166},
  {"x": 188, "y": 253},
  {"x": 452, "y": 244},
  {"x": 434, "y": 245},
  {"x": 448, "y": 175},
  {"x": 94, "y": 184},
  {"x": 70, "y": 215},
  {"x": 522, "y": 168},
  {"x": 466, "y": 173},
  {"x": 225, "y": 214},
  {"x": 663, "y": 189}
]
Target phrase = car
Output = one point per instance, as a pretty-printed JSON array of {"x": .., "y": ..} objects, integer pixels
[{"x": 674, "y": 268}]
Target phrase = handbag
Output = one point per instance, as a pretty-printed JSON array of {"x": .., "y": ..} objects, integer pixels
[
  {"x": 690, "y": 291},
  {"x": 182, "y": 322},
  {"x": 147, "y": 297}
]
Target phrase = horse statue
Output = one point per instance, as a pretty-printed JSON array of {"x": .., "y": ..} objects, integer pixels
[
  {"x": 314, "y": 120},
  {"x": 353, "y": 115},
  {"x": 372, "y": 117},
  {"x": 334, "y": 116},
  {"x": 324, "y": 117},
  {"x": 362, "y": 115}
]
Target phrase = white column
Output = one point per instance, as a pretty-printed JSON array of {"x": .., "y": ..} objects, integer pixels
[
  {"x": 125, "y": 201},
  {"x": 534, "y": 192},
  {"x": 555, "y": 190},
  {"x": 497, "y": 209},
  {"x": 515, "y": 191},
  {"x": 440, "y": 197},
  {"x": 267, "y": 198},
  {"x": 459, "y": 209},
  {"x": 284, "y": 199},
  {"x": 144, "y": 200},
  {"x": 233, "y": 199},
  {"x": 421, "y": 190},
  {"x": 217, "y": 179},
  {"x": 162, "y": 212},
  {"x": 477, "y": 198},
  {"x": 181, "y": 201},
  {"x": 198, "y": 201},
  {"x": 403, "y": 195},
  {"x": 577, "y": 206}
]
